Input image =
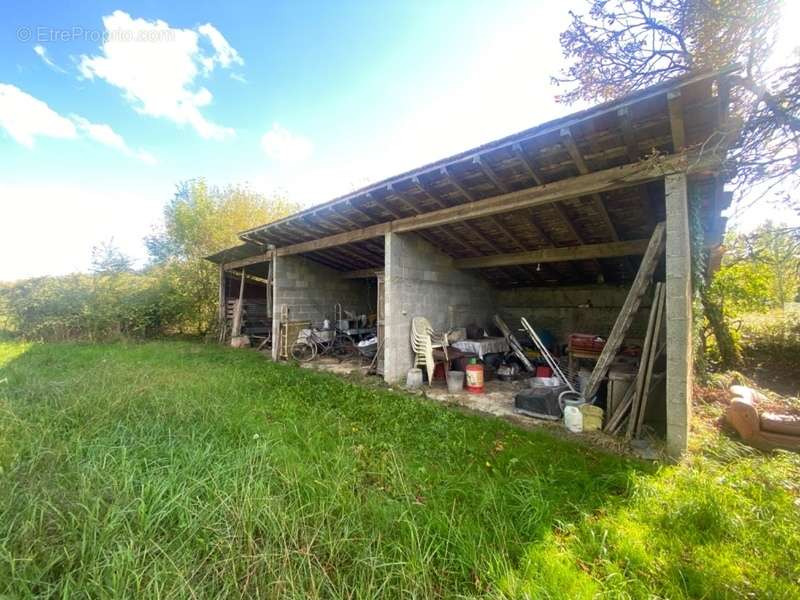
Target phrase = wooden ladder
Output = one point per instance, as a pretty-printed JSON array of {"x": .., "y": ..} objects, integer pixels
[{"x": 628, "y": 311}]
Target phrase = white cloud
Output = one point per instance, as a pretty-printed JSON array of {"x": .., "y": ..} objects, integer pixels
[
  {"x": 105, "y": 135},
  {"x": 224, "y": 53},
  {"x": 158, "y": 76},
  {"x": 282, "y": 145},
  {"x": 25, "y": 117},
  {"x": 41, "y": 52}
]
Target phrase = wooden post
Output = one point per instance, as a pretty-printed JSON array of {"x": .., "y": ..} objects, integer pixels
[
  {"x": 269, "y": 288},
  {"x": 679, "y": 315},
  {"x": 222, "y": 301},
  {"x": 236, "y": 329}
]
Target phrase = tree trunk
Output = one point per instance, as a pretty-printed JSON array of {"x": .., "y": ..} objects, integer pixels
[{"x": 728, "y": 350}]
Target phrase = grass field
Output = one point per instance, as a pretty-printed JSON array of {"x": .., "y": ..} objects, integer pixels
[{"x": 177, "y": 470}]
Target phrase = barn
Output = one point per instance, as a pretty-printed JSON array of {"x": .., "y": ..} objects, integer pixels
[{"x": 553, "y": 223}]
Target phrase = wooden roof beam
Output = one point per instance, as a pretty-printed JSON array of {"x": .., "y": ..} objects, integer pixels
[
  {"x": 527, "y": 163},
  {"x": 362, "y": 273},
  {"x": 360, "y": 211},
  {"x": 583, "y": 169},
  {"x": 489, "y": 173},
  {"x": 595, "y": 182},
  {"x": 437, "y": 230},
  {"x": 472, "y": 198},
  {"x": 471, "y": 227},
  {"x": 570, "y": 253},
  {"x": 675, "y": 104},
  {"x": 246, "y": 262},
  {"x": 418, "y": 182},
  {"x": 332, "y": 262},
  {"x": 338, "y": 215},
  {"x": 628, "y": 135}
]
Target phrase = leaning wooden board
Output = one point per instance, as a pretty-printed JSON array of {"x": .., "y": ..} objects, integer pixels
[{"x": 628, "y": 311}]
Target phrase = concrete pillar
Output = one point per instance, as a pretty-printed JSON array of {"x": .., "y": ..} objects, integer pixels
[
  {"x": 678, "y": 315},
  {"x": 276, "y": 307},
  {"x": 396, "y": 352},
  {"x": 421, "y": 281}
]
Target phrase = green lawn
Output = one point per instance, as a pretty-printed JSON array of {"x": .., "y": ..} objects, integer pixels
[{"x": 180, "y": 470}]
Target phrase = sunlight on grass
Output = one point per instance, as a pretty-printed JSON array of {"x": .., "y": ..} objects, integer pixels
[
  {"x": 175, "y": 469},
  {"x": 11, "y": 350}
]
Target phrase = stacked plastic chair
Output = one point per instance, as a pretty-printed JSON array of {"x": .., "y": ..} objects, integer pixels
[{"x": 423, "y": 344}]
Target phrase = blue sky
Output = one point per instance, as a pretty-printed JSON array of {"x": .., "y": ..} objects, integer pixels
[{"x": 105, "y": 106}]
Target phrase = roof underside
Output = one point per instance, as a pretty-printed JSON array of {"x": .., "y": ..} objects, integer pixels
[{"x": 606, "y": 136}]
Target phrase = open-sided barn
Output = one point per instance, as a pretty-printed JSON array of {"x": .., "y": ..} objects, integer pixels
[{"x": 550, "y": 223}]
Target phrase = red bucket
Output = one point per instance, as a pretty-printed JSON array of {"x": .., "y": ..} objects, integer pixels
[{"x": 475, "y": 379}]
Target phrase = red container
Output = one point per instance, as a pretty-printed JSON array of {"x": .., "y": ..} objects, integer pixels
[
  {"x": 439, "y": 372},
  {"x": 544, "y": 372},
  {"x": 474, "y": 376},
  {"x": 586, "y": 342}
]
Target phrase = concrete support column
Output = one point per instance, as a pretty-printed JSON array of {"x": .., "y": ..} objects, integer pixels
[
  {"x": 276, "y": 306},
  {"x": 396, "y": 351},
  {"x": 421, "y": 281},
  {"x": 678, "y": 315}
]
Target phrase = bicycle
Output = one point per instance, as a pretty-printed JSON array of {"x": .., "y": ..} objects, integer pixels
[{"x": 313, "y": 345}]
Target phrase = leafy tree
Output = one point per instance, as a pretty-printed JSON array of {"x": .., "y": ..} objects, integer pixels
[
  {"x": 199, "y": 221},
  {"x": 620, "y": 46},
  {"x": 108, "y": 258},
  {"x": 775, "y": 250}
]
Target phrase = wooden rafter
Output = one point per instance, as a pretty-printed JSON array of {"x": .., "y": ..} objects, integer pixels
[
  {"x": 548, "y": 255},
  {"x": 437, "y": 230},
  {"x": 595, "y": 182},
  {"x": 475, "y": 229},
  {"x": 472, "y": 228},
  {"x": 675, "y": 105},
  {"x": 362, "y": 273},
  {"x": 572, "y": 148},
  {"x": 519, "y": 152}
]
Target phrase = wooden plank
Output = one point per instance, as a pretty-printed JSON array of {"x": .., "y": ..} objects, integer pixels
[
  {"x": 628, "y": 135},
  {"x": 628, "y": 311},
  {"x": 246, "y": 262},
  {"x": 550, "y": 255},
  {"x": 527, "y": 163},
  {"x": 675, "y": 104},
  {"x": 651, "y": 361},
  {"x": 362, "y": 273},
  {"x": 236, "y": 329},
  {"x": 644, "y": 360},
  {"x": 221, "y": 306},
  {"x": 437, "y": 231},
  {"x": 489, "y": 173},
  {"x": 583, "y": 169},
  {"x": 597, "y": 181}
]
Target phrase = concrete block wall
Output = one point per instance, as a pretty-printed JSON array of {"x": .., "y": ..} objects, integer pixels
[
  {"x": 558, "y": 309},
  {"x": 422, "y": 282},
  {"x": 311, "y": 290}
]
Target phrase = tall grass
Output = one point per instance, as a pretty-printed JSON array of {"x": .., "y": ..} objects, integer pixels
[{"x": 175, "y": 470}]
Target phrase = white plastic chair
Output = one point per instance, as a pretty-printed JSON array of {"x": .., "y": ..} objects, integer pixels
[{"x": 423, "y": 341}]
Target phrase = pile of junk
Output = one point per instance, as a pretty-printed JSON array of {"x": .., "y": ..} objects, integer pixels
[{"x": 467, "y": 358}]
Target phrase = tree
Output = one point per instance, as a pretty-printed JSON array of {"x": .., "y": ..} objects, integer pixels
[
  {"x": 624, "y": 45},
  {"x": 776, "y": 249},
  {"x": 108, "y": 258},
  {"x": 198, "y": 221}
]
